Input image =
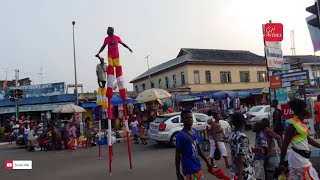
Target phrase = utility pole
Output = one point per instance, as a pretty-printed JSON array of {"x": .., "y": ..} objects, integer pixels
[
  {"x": 75, "y": 64},
  {"x": 147, "y": 57},
  {"x": 15, "y": 98}
]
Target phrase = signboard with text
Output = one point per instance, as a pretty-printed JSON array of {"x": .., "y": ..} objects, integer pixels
[
  {"x": 273, "y": 32},
  {"x": 274, "y": 57},
  {"x": 298, "y": 78},
  {"x": 275, "y": 81},
  {"x": 37, "y": 90}
]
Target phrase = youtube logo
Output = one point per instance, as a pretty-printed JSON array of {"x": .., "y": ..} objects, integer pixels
[{"x": 9, "y": 164}]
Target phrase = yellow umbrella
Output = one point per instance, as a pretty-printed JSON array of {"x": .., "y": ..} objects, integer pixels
[{"x": 152, "y": 95}]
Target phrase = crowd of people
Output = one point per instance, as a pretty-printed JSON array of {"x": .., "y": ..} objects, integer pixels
[
  {"x": 52, "y": 136},
  {"x": 261, "y": 161}
]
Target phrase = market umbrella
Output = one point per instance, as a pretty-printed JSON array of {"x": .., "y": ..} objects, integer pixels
[
  {"x": 152, "y": 95},
  {"x": 69, "y": 108}
]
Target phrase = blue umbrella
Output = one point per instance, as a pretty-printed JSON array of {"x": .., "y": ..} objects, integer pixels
[{"x": 224, "y": 94}]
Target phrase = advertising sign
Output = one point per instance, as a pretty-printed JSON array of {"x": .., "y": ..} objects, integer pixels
[
  {"x": 287, "y": 113},
  {"x": 273, "y": 32},
  {"x": 37, "y": 90},
  {"x": 286, "y": 67},
  {"x": 274, "y": 58},
  {"x": 281, "y": 95},
  {"x": 295, "y": 78},
  {"x": 275, "y": 81}
]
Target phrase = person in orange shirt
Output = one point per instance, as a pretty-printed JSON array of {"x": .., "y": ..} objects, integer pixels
[{"x": 316, "y": 109}]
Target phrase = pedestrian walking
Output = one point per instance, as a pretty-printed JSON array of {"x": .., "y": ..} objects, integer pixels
[
  {"x": 217, "y": 139},
  {"x": 40, "y": 129},
  {"x": 10, "y": 137},
  {"x": 142, "y": 134},
  {"x": 260, "y": 151},
  {"x": 188, "y": 150},
  {"x": 297, "y": 134},
  {"x": 241, "y": 156},
  {"x": 273, "y": 155},
  {"x": 276, "y": 117},
  {"x": 134, "y": 130},
  {"x": 73, "y": 142},
  {"x": 26, "y": 129}
]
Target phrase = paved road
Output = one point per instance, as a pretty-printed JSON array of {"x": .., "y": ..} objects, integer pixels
[{"x": 150, "y": 161}]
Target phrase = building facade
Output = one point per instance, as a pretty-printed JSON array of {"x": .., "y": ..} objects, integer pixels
[{"x": 204, "y": 70}]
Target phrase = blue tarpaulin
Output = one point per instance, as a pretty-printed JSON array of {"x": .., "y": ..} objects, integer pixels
[
  {"x": 243, "y": 94},
  {"x": 188, "y": 97},
  {"x": 224, "y": 94},
  {"x": 116, "y": 100}
]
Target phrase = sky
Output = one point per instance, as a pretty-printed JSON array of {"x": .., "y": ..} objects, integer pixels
[{"x": 37, "y": 34}]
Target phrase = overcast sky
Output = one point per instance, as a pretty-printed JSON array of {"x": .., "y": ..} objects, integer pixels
[{"x": 38, "y": 33}]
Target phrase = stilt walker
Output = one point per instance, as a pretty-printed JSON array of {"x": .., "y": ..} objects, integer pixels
[
  {"x": 114, "y": 62},
  {"x": 102, "y": 101}
]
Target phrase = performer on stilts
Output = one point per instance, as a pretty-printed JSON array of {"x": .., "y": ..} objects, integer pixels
[
  {"x": 102, "y": 101},
  {"x": 114, "y": 62}
]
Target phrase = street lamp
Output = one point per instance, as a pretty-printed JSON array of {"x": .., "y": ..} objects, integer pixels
[{"x": 75, "y": 65}]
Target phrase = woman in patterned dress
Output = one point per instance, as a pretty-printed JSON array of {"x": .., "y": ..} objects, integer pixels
[{"x": 241, "y": 155}]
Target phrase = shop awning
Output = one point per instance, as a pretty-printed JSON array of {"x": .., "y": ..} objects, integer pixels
[
  {"x": 255, "y": 91},
  {"x": 243, "y": 94},
  {"x": 28, "y": 108},
  {"x": 188, "y": 97},
  {"x": 224, "y": 94}
]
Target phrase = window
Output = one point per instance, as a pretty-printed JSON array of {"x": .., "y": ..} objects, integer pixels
[
  {"x": 200, "y": 118},
  {"x": 261, "y": 76},
  {"x": 183, "y": 81},
  {"x": 174, "y": 79},
  {"x": 167, "y": 83},
  {"x": 196, "y": 75},
  {"x": 152, "y": 84},
  {"x": 244, "y": 76},
  {"x": 208, "y": 77},
  {"x": 160, "y": 83},
  {"x": 267, "y": 109},
  {"x": 225, "y": 77},
  {"x": 136, "y": 88},
  {"x": 175, "y": 120},
  {"x": 256, "y": 109},
  {"x": 143, "y": 87}
]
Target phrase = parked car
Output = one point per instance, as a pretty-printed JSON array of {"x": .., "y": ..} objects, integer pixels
[
  {"x": 258, "y": 113},
  {"x": 165, "y": 127}
]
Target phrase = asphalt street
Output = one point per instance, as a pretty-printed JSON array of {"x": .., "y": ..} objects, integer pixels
[{"x": 152, "y": 161}]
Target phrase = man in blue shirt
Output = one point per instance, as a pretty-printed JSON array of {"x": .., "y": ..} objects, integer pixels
[{"x": 188, "y": 150}]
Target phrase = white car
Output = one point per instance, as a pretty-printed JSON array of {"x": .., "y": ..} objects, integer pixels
[
  {"x": 257, "y": 114},
  {"x": 165, "y": 127}
]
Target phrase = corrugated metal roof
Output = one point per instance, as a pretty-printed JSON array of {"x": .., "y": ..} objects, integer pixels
[
  {"x": 163, "y": 66},
  {"x": 205, "y": 56}
]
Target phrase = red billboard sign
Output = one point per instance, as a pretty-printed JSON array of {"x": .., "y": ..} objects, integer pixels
[
  {"x": 273, "y": 32},
  {"x": 287, "y": 113}
]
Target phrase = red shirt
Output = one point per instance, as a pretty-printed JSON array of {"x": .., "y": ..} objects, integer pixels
[{"x": 112, "y": 42}]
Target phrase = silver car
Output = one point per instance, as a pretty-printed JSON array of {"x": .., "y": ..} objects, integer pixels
[
  {"x": 257, "y": 113},
  {"x": 165, "y": 127}
]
